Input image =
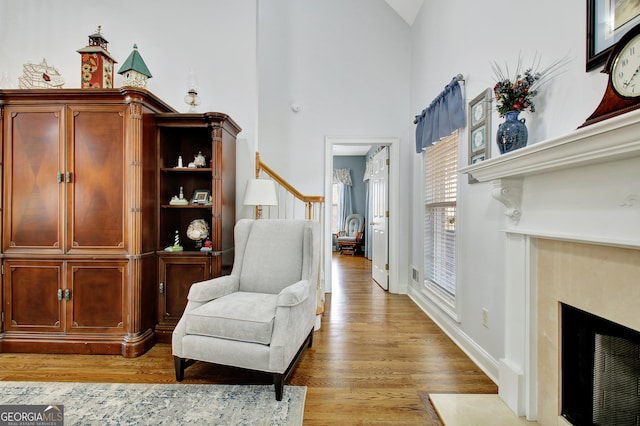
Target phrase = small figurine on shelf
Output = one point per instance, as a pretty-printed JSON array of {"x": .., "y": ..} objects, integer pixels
[
  {"x": 179, "y": 166},
  {"x": 200, "y": 160},
  {"x": 176, "y": 243},
  {"x": 207, "y": 246},
  {"x": 179, "y": 200}
]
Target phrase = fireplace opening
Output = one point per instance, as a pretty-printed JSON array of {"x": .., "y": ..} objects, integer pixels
[{"x": 600, "y": 370}]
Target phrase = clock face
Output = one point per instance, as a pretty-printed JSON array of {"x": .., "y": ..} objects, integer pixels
[{"x": 625, "y": 73}]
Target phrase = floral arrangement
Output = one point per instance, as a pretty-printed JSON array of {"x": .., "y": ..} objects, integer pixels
[{"x": 516, "y": 93}]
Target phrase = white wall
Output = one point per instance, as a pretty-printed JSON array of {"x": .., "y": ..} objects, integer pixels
[
  {"x": 461, "y": 36},
  {"x": 346, "y": 64},
  {"x": 217, "y": 38}
]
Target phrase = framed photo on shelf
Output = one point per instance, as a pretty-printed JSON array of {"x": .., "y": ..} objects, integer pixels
[
  {"x": 607, "y": 21},
  {"x": 479, "y": 128},
  {"x": 200, "y": 196}
]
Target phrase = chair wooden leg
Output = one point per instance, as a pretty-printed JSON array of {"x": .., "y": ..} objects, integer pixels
[
  {"x": 179, "y": 364},
  {"x": 278, "y": 382}
]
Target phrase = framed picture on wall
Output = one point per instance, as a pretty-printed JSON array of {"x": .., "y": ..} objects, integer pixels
[
  {"x": 607, "y": 21},
  {"x": 479, "y": 128}
]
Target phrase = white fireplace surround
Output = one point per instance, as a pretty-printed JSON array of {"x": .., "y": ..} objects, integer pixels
[{"x": 582, "y": 187}]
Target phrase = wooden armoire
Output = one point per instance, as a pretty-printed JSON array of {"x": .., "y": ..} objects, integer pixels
[{"x": 79, "y": 220}]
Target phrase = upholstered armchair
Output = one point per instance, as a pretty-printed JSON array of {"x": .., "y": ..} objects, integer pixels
[
  {"x": 350, "y": 240},
  {"x": 261, "y": 316}
]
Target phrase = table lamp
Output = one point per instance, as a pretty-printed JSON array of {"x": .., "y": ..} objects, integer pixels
[{"x": 260, "y": 192}]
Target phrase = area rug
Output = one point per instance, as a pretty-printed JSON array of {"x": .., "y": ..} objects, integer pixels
[{"x": 155, "y": 404}]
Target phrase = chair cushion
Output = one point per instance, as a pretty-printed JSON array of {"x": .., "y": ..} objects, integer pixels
[
  {"x": 354, "y": 225},
  {"x": 242, "y": 316},
  {"x": 273, "y": 255},
  {"x": 347, "y": 239}
]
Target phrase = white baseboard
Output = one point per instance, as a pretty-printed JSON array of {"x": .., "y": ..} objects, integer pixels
[{"x": 488, "y": 364}]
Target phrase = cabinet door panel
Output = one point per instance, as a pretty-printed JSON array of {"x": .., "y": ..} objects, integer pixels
[
  {"x": 34, "y": 160},
  {"x": 98, "y": 293},
  {"x": 31, "y": 296},
  {"x": 177, "y": 275},
  {"x": 98, "y": 192}
]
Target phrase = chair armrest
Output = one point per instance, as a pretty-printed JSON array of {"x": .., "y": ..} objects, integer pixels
[
  {"x": 205, "y": 291},
  {"x": 294, "y": 294}
]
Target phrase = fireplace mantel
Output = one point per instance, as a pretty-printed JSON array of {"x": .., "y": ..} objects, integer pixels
[
  {"x": 609, "y": 140},
  {"x": 599, "y": 148}
]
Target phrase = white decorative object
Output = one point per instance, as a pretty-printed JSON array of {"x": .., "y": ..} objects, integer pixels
[
  {"x": 40, "y": 76},
  {"x": 200, "y": 160},
  {"x": 193, "y": 100},
  {"x": 509, "y": 193},
  {"x": 179, "y": 200},
  {"x": 198, "y": 231}
]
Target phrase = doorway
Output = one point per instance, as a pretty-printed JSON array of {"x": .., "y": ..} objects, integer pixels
[{"x": 394, "y": 147}]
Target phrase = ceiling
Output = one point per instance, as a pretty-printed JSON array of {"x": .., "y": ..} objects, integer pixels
[{"x": 407, "y": 9}]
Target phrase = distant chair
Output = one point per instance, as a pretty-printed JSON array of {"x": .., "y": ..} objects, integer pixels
[
  {"x": 261, "y": 316},
  {"x": 350, "y": 240}
]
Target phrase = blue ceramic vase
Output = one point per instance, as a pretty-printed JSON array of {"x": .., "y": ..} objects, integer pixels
[{"x": 512, "y": 134}]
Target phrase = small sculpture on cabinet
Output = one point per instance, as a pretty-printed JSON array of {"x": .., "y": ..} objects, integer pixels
[
  {"x": 40, "y": 76},
  {"x": 179, "y": 200},
  {"x": 207, "y": 246},
  {"x": 134, "y": 71},
  {"x": 200, "y": 160},
  {"x": 176, "y": 243},
  {"x": 97, "y": 63}
]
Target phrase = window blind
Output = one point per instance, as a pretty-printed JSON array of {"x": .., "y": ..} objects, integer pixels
[{"x": 441, "y": 187}]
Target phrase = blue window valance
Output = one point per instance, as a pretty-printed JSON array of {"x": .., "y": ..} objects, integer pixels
[{"x": 441, "y": 118}]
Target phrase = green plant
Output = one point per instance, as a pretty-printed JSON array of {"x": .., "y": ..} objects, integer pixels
[{"x": 516, "y": 92}]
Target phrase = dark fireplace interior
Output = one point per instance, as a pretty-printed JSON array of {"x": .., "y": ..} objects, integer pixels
[{"x": 600, "y": 370}]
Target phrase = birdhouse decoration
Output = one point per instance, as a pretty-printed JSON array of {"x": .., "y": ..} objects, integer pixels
[
  {"x": 134, "y": 71},
  {"x": 97, "y": 63}
]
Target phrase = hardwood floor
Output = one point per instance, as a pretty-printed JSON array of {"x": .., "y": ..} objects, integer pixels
[{"x": 372, "y": 355}]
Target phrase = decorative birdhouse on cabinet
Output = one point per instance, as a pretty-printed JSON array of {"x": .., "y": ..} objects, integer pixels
[
  {"x": 97, "y": 63},
  {"x": 134, "y": 71}
]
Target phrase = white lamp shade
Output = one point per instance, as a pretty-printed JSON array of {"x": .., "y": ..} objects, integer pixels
[{"x": 260, "y": 192}]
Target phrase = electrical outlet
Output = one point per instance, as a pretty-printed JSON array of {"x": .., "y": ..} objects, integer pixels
[{"x": 485, "y": 317}]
